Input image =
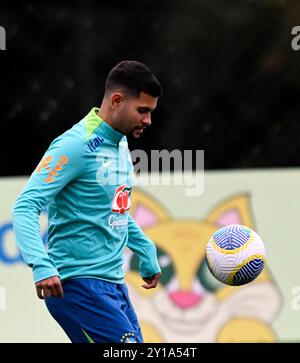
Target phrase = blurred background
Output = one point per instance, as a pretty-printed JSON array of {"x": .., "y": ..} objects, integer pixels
[
  {"x": 230, "y": 76},
  {"x": 231, "y": 83}
]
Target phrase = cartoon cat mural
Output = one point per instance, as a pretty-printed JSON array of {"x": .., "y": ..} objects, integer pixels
[{"x": 189, "y": 304}]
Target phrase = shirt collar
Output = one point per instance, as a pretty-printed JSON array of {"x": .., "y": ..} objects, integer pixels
[{"x": 94, "y": 123}]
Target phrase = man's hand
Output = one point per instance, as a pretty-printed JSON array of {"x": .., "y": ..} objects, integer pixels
[
  {"x": 151, "y": 281},
  {"x": 49, "y": 287}
]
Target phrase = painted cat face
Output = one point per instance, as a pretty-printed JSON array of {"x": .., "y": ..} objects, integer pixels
[{"x": 189, "y": 302}]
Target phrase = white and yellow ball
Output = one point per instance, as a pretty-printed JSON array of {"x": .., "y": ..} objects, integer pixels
[{"x": 235, "y": 255}]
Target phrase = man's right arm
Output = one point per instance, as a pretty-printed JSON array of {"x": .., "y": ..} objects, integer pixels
[{"x": 62, "y": 163}]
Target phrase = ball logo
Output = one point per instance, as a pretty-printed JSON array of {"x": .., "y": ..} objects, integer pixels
[{"x": 121, "y": 202}]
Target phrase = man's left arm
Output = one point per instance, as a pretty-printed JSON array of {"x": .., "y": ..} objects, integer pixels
[{"x": 145, "y": 249}]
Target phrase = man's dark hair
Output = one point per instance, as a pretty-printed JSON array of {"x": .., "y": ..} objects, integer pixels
[{"x": 134, "y": 77}]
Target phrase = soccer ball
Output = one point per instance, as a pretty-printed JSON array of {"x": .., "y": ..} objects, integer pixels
[{"x": 235, "y": 255}]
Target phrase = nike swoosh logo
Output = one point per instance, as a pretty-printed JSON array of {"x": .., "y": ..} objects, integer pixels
[{"x": 105, "y": 165}]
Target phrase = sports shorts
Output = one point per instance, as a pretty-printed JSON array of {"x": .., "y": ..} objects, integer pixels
[{"x": 95, "y": 311}]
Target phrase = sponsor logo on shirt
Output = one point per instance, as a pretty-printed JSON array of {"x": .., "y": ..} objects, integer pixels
[
  {"x": 120, "y": 224},
  {"x": 94, "y": 143},
  {"x": 121, "y": 202},
  {"x": 52, "y": 172}
]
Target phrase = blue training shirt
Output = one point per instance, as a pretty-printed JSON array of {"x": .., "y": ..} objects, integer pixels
[{"x": 85, "y": 179}]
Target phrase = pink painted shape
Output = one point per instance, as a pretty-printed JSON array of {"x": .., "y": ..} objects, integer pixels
[
  {"x": 144, "y": 217},
  {"x": 230, "y": 217},
  {"x": 185, "y": 299}
]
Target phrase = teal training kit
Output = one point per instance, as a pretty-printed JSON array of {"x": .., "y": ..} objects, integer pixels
[{"x": 85, "y": 179}]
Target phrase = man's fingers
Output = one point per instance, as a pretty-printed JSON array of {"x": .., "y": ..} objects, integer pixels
[
  {"x": 151, "y": 285},
  {"x": 59, "y": 289},
  {"x": 151, "y": 282},
  {"x": 49, "y": 287},
  {"x": 39, "y": 292},
  {"x": 52, "y": 290},
  {"x": 147, "y": 286},
  {"x": 47, "y": 291},
  {"x": 44, "y": 291}
]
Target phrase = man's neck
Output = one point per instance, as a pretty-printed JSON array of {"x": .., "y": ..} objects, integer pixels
[{"x": 104, "y": 115}]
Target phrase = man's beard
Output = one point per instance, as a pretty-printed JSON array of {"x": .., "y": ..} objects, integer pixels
[{"x": 137, "y": 132}]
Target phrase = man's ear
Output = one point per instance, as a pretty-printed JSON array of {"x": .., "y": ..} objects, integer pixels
[{"x": 116, "y": 99}]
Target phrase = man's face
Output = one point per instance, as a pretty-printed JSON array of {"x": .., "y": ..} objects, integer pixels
[{"x": 135, "y": 114}]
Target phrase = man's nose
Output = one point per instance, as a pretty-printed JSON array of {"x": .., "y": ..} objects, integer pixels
[{"x": 147, "y": 119}]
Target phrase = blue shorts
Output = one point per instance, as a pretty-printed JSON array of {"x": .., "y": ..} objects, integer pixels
[{"x": 95, "y": 311}]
